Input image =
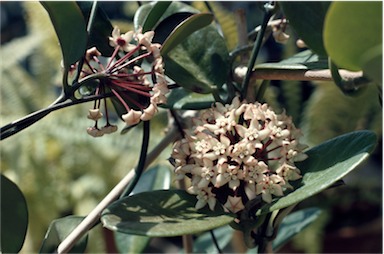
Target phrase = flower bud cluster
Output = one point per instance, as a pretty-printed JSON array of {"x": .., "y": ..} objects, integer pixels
[
  {"x": 239, "y": 151},
  {"x": 137, "y": 90}
]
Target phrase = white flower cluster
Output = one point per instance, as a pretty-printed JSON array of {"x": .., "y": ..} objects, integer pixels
[{"x": 239, "y": 151}]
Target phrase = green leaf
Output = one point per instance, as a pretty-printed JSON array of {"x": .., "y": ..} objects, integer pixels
[
  {"x": 192, "y": 64},
  {"x": 305, "y": 60},
  {"x": 204, "y": 243},
  {"x": 184, "y": 29},
  {"x": 197, "y": 65},
  {"x": 179, "y": 98},
  {"x": 293, "y": 224},
  {"x": 144, "y": 11},
  {"x": 155, "y": 14},
  {"x": 162, "y": 213},
  {"x": 58, "y": 230},
  {"x": 157, "y": 178},
  {"x": 165, "y": 27},
  {"x": 307, "y": 19},
  {"x": 14, "y": 217},
  {"x": 70, "y": 28},
  {"x": 101, "y": 28},
  {"x": 326, "y": 164},
  {"x": 351, "y": 29}
]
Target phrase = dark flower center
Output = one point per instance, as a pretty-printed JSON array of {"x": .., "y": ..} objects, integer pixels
[{"x": 121, "y": 42}]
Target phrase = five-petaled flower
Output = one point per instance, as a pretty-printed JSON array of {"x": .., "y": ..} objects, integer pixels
[
  {"x": 135, "y": 91},
  {"x": 239, "y": 151}
]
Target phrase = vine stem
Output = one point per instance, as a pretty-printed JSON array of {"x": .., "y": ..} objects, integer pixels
[
  {"x": 141, "y": 165},
  {"x": 113, "y": 195},
  {"x": 26, "y": 121},
  {"x": 259, "y": 39},
  {"x": 214, "y": 239},
  {"x": 300, "y": 75}
]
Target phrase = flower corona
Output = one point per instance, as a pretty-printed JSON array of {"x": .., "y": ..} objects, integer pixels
[{"x": 239, "y": 151}]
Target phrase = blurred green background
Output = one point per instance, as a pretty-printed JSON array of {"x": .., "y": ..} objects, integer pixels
[{"x": 61, "y": 170}]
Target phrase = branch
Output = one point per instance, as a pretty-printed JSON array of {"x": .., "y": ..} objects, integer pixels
[
  {"x": 301, "y": 75},
  {"x": 26, "y": 121},
  {"x": 142, "y": 160},
  {"x": 256, "y": 48}
]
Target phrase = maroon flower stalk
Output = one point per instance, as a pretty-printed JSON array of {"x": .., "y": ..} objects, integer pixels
[{"x": 139, "y": 91}]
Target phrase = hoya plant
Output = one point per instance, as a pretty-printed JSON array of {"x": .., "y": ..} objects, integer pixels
[{"x": 238, "y": 162}]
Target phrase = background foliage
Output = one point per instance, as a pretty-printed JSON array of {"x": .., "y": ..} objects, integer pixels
[{"x": 63, "y": 171}]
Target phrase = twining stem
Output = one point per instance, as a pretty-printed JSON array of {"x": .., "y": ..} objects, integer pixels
[
  {"x": 143, "y": 156},
  {"x": 347, "y": 85},
  {"x": 215, "y": 242},
  {"x": 26, "y": 121},
  {"x": 259, "y": 39},
  {"x": 66, "y": 99}
]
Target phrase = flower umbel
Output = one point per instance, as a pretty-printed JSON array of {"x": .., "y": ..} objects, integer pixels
[
  {"x": 237, "y": 152},
  {"x": 135, "y": 91}
]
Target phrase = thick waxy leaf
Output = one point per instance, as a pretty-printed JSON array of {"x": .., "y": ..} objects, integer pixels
[
  {"x": 293, "y": 224},
  {"x": 14, "y": 217},
  {"x": 351, "y": 29},
  {"x": 157, "y": 178},
  {"x": 307, "y": 19},
  {"x": 193, "y": 64},
  {"x": 186, "y": 28},
  {"x": 326, "y": 164},
  {"x": 197, "y": 65},
  {"x": 70, "y": 28},
  {"x": 162, "y": 213},
  {"x": 143, "y": 14},
  {"x": 179, "y": 98},
  {"x": 58, "y": 230},
  {"x": 101, "y": 28},
  {"x": 305, "y": 60},
  {"x": 165, "y": 28},
  {"x": 155, "y": 14}
]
